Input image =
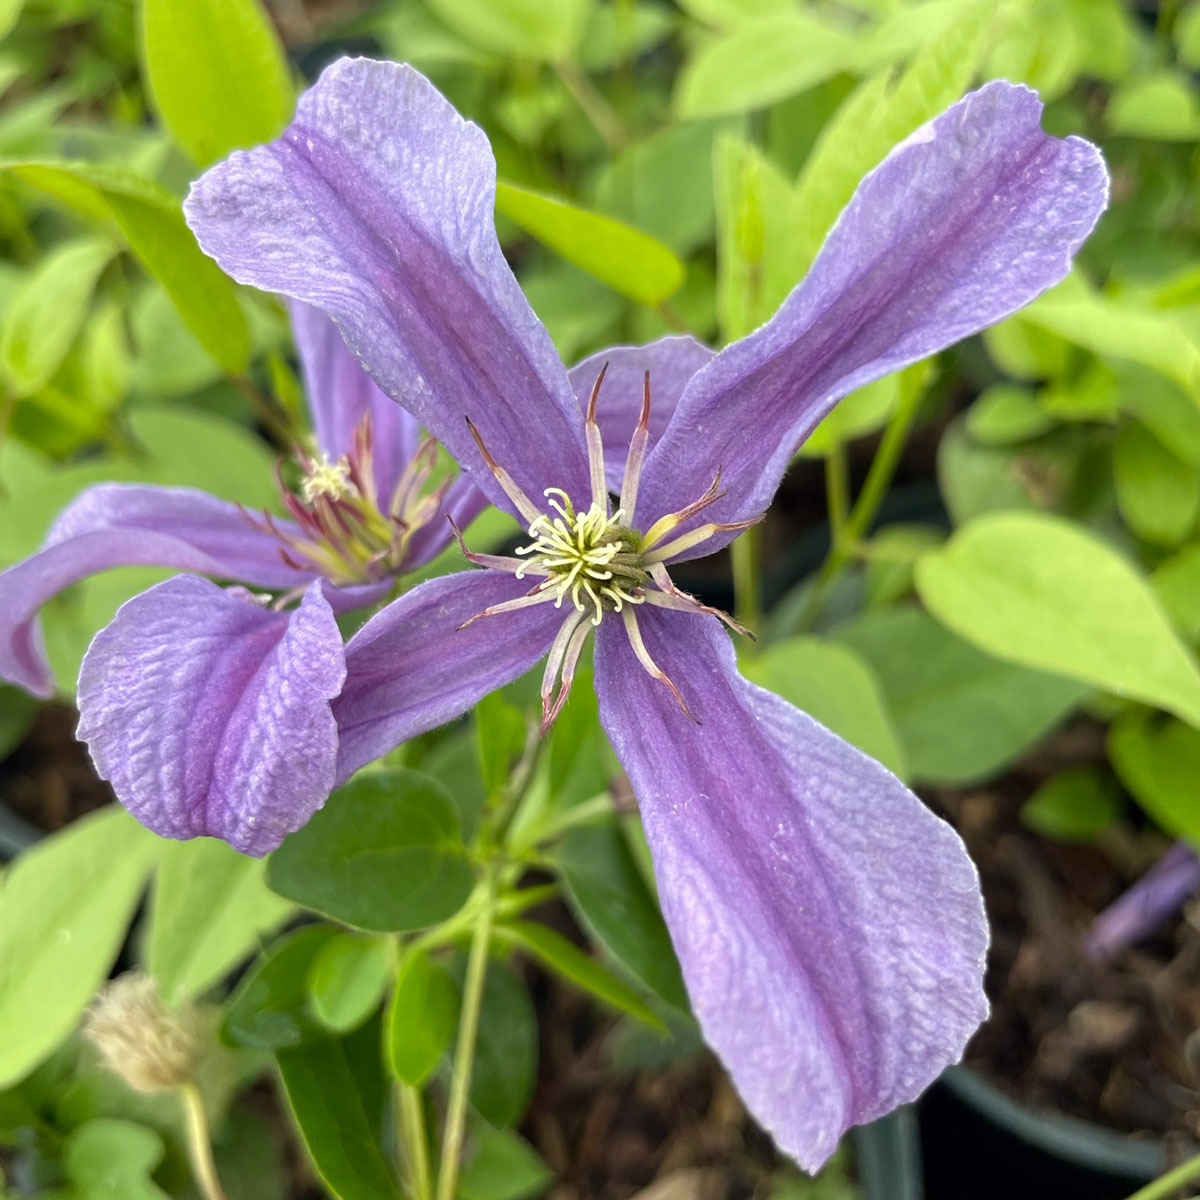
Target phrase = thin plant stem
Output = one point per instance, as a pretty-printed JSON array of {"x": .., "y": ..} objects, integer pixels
[
  {"x": 199, "y": 1140},
  {"x": 671, "y": 318},
  {"x": 1168, "y": 1184},
  {"x": 416, "y": 1144},
  {"x": 273, "y": 419},
  {"x": 468, "y": 1031},
  {"x": 593, "y": 104},
  {"x": 746, "y": 554},
  {"x": 837, "y": 493}
]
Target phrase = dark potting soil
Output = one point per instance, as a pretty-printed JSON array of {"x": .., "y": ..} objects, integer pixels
[{"x": 1114, "y": 1043}]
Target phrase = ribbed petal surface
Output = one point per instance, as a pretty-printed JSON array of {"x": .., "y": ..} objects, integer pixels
[
  {"x": 829, "y": 927},
  {"x": 376, "y": 206},
  {"x": 962, "y": 224},
  {"x": 210, "y": 714},
  {"x": 412, "y": 667}
]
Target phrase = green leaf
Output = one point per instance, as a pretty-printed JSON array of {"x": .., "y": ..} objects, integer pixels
[
  {"x": 864, "y": 410},
  {"x": 835, "y": 685},
  {"x": 1158, "y": 760},
  {"x": 761, "y": 62},
  {"x": 1075, "y": 805},
  {"x": 891, "y": 561},
  {"x": 153, "y": 225},
  {"x": 217, "y": 73},
  {"x": 521, "y": 28},
  {"x": 348, "y": 978},
  {"x": 1039, "y": 591},
  {"x": 609, "y": 896},
  {"x": 211, "y": 905},
  {"x": 421, "y": 1018},
  {"x": 109, "y": 1159},
  {"x": 1005, "y": 414},
  {"x": 17, "y": 712},
  {"x": 1160, "y": 107},
  {"x": 44, "y": 318},
  {"x": 506, "y": 1050},
  {"x": 961, "y": 715},
  {"x": 564, "y": 957},
  {"x": 501, "y": 1165},
  {"x": 10, "y": 12},
  {"x": 1157, "y": 493},
  {"x": 629, "y": 261},
  {"x": 385, "y": 853},
  {"x": 65, "y": 906},
  {"x": 270, "y": 1008},
  {"x": 1177, "y": 584},
  {"x": 1187, "y": 36},
  {"x": 500, "y": 737},
  {"x": 338, "y": 1096}
]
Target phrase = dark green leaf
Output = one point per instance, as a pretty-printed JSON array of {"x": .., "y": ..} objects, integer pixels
[
  {"x": 338, "y": 1095},
  {"x": 506, "y": 1050},
  {"x": 421, "y": 1018},
  {"x": 270, "y": 1008},
  {"x": 610, "y": 897},
  {"x": 500, "y": 1166},
  {"x": 1073, "y": 806},
  {"x": 1158, "y": 493},
  {"x": 17, "y": 712},
  {"x": 500, "y": 733},
  {"x": 385, "y": 853}
]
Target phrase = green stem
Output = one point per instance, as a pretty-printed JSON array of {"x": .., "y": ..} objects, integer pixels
[
  {"x": 464, "y": 1054},
  {"x": 595, "y": 107},
  {"x": 273, "y": 419},
  {"x": 1166, "y": 1185},
  {"x": 746, "y": 558},
  {"x": 200, "y": 1142},
  {"x": 416, "y": 1144},
  {"x": 837, "y": 493}
]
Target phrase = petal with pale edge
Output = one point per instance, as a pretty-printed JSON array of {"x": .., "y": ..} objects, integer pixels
[
  {"x": 962, "y": 224},
  {"x": 671, "y": 361},
  {"x": 830, "y": 928},
  {"x": 413, "y": 667},
  {"x": 376, "y": 205},
  {"x": 130, "y": 525},
  {"x": 210, "y": 715}
]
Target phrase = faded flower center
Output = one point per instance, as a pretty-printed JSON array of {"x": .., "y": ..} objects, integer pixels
[
  {"x": 343, "y": 528},
  {"x": 589, "y": 557}
]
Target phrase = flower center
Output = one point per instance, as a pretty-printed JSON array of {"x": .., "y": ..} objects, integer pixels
[
  {"x": 343, "y": 528},
  {"x": 590, "y": 557}
]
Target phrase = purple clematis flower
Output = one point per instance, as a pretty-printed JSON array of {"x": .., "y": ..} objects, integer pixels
[
  {"x": 829, "y": 927},
  {"x": 209, "y": 709}
]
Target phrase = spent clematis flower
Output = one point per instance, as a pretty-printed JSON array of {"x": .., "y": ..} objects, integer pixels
[
  {"x": 207, "y": 708},
  {"x": 829, "y": 927}
]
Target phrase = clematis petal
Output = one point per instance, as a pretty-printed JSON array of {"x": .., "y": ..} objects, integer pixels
[
  {"x": 963, "y": 223},
  {"x": 125, "y": 525},
  {"x": 412, "y": 667},
  {"x": 829, "y": 927},
  {"x": 376, "y": 206},
  {"x": 341, "y": 393},
  {"x": 671, "y": 361},
  {"x": 210, "y": 714}
]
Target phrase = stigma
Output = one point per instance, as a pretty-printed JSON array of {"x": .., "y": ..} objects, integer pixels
[{"x": 594, "y": 564}]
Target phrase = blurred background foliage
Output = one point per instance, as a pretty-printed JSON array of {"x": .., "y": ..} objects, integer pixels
[{"x": 664, "y": 167}]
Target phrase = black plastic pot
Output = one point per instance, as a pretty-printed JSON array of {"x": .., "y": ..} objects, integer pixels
[{"x": 980, "y": 1145}]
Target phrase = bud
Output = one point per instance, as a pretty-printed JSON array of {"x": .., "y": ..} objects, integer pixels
[{"x": 148, "y": 1045}]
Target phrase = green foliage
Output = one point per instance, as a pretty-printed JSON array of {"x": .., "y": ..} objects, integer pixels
[
  {"x": 421, "y": 1018},
  {"x": 501, "y": 1166},
  {"x": 1158, "y": 760},
  {"x": 112, "y": 1160},
  {"x": 521, "y": 28},
  {"x": 506, "y": 1049},
  {"x": 216, "y": 73},
  {"x": 385, "y": 853},
  {"x": 64, "y": 909},
  {"x": 348, "y": 978},
  {"x": 1075, "y": 805}
]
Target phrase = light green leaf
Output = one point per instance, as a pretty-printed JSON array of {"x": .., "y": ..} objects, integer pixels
[
  {"x": 152, "y": 223},
  {"x": 1177, "y": 584},
  {"x": 10, "y": 12},
  {"x": 211, "y": 907},
  {"x": 217, "y": 73},
  {"x": 1158, "y": 760},
  {"x": 612, "y": 901},
  {"x": 1005, "y": 414},
  {"x": 630, "y": 262},
  {"x": 421, "y": 1018},
  {"x": 1036, "y": 590},
  {"x": 761, "y": 62},
  {"x": 1075, "y": 805},
  {"x": 566, "y": 959},
  {"x": 729, "y": 14},
  {"x": 892, "y": 555},
  {"x": 109, "y": 1159},
  {"x": 1161, "y": 107},
  {"x": 616, "y": 33},
  {"x": 1187, "y": 36},
  {"x": 960, "y": 714},
  {"x": 863, "y": 411},
  {"x": 270, "y": 1008},
  {"x": 500, "y": 738},
  {"x": 65, "y": 906},
  {"x": 836, "y": 686},
  {"x": 45, "y": 316},
  {"x": 348, "y": 978},
  {"x": 522, "y": 28},
  {"x": 385, "y": 853},
  {"x": 338, "y": 1095},
  {"x": 1158, "y": 494},
  {"x": 501, "y": 1166}
]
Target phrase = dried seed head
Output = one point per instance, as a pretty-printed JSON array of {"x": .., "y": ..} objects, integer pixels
[{"x": 151, "y": 1047}]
